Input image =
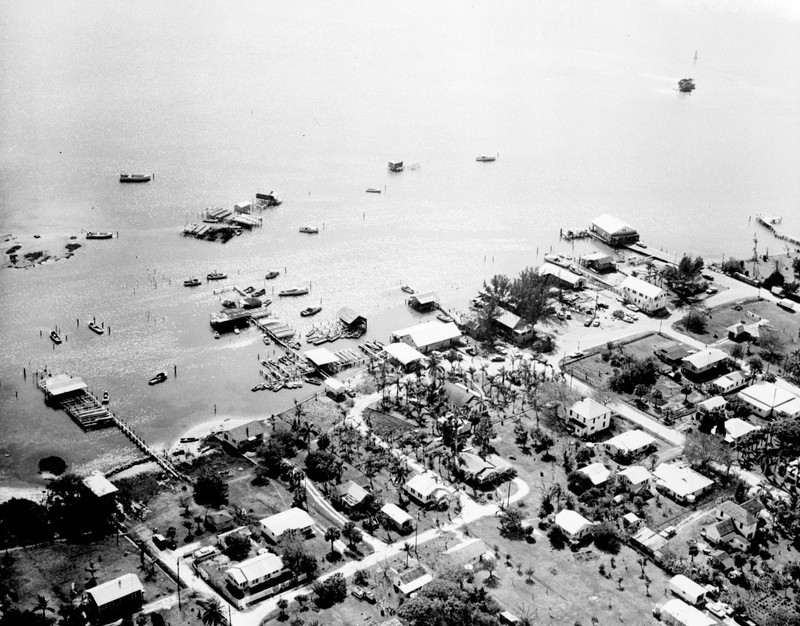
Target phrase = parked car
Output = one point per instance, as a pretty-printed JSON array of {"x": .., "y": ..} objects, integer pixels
[
  {"x": 204, "y": 553},
  {"x": 497, "y": 358},
  {"x": 632, "y": 307},
  {"x": 715, "y": 608},
  {"x": 596, "y": 323},
  {"x": 711, "y": 290},
  {"x": 363, "y": 594}
]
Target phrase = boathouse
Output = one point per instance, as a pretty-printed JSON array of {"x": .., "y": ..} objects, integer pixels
[
  {"x": 352, "y": 321},
  {"x": 424, "y": 302},
  {"x": 115, "y": 598},
  {"x": 246, "y": 436},
  {"x": 243, "y": 207},
  {"x": 429, "y": 336},
  {"x": 613, "y": 231},
  {"x": 100, "y": 486},
  {"x": 324, "y": 359}
]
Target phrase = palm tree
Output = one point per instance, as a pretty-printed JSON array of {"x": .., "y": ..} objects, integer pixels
[
  {"x": 42, "y": 605},
  {"x": 305, "y": 431},
  {"x": 332, "y": 534},
  {"x": 407, "y": 549},
  {"x": 283, "y": 604},
  {"x": 211, "y": 612}
]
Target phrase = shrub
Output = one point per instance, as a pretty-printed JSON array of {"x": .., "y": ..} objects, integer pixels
[{"x": 53, "y": 465}]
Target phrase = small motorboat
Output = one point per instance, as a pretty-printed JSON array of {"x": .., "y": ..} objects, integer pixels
[
  {"x": 216, "y": 334},
  {"x": 297, "y": 291},
  {"x": 373, "y": 190},
  {"x": 486, "y": 158},
  {"x": 238, "y": 231},
  {"x": 259, "y": 293},
  {"x": 99, "y": 235},
  {"x": 216, "y": 276},
  {"x": 312, "y": 310},
  {"x": 191, "y": 282},
  {"x": 235, "y": 331},
  {"x": 158, "y": 378},
  {"x": 312, "y": 381},
  {"x": 189, "y": 439},
  {"x": 311, "y": 230},
  {"x": 249, "y": 289},
  {"x": 105, "y": 397},
  {"x": 55, "y": 337},
  {"x": 407, "y": 289},
  {"x": 277, "y": 386},
  {"x": 444, "y": 317},
  {"x": 135, "y": 178},
  {"x": 272, "y": 274},
  {"x": 96, "y": 328}
]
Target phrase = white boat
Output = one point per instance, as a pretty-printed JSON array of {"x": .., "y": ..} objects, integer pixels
[
  {"x": 311, "y": 230},
  {"x": 486, "y": 158}
]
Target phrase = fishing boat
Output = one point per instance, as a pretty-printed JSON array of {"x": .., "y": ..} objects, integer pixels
[
  {"x": 216, "y": 334},
  {"x": 395, "y": 166},
  {"x": 444, "y": 317},
  {"x": 297, "y": 291},
  {"x": 135, "y": 178},
  {"x": 311, "y": 230},
  {"x": 95, "y": 234},
  {"x": 191, "y": 282},
  {"x": 105, "y": 397},
  {"x": 216, "y": 276},
  {"x": 96, "y": 328},
  {"x": 259, "y": 293},
  {"x": 158, "y": 378},
  {"x": 486, "y": 158},
  {"x": 55, "y": 337},
  {"x": 272, "y": 274},
  {"x": 312, "y": 310},
  {"x": 373, "y": 190},
  {"x": 407, "y": 289}
]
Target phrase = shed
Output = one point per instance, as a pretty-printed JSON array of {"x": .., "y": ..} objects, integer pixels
[
  {"x": 351, "y": 318},
  {"x": 219, "y": 520},
  {"x": 61, "y": 384},
  {"x": 99, "y": 485},
  {"x": 351, "y": 495},
  {"x": 242, "y": 207},
  {"x": 427, "y": 301}
]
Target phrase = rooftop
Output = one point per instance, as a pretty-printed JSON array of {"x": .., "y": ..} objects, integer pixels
[
  {"x": 248, "y": 430},
  {"x": 403, "y": 352},
  {"x": 99, "y": 485},
  {"x": 254, "y": 568},
  {"x": 631, "y": 441},
  {"x": 685, "y": 614},
  {"x": 61, "y": 384},
  {"x": 737, "y": 513},
  {"x": 353, "y": 494},
  {"x": 767, "y": 395},
  {"x": 571, "y": 522},
  {"x": 291, "y": 519},
  {"x": 588, "y": 408},
  {"x": 736, "y": 428},
  {"x": 429, "y": 333},
  {"x": 732, "y": 378},
  {"x": 115, "y": 589},
  {"x": 636, "y": 474},
  {"x": 706, "y": 358},
  {"x": 642, "y": 286},
  {"x": 349, "y": 316},
  {"x": 396, "y": 514},
  {"x": 562, "y": 273},
  {"x": 424, "y": 484},
  {"x": 596, "y": 472},
  {"x": 321, "y": 357},
  {"x": 612, "y": 224},
  {"x": 682, "y": 481},
  {"x": 713, "y": 403},
  {"x": 428, "y": 297}
]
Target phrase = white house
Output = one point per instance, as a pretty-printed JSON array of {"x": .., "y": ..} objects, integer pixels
[
  {"x": 770, "y": 400},
  {"x": 574, "y": 525},
  {"x": 588, "y": 417},
  {"x": 295, "y": 519},
  {"x": 712, "y": 404},
  {"x": 729, "y": 383},
  {"x": 484, "y": 471},
  {"x": 401, "y": 520},
  {"x": 736, "y": 428},
  {"x": 646, "y": 296},
  {"x": 428, "y": 336},
  {"x": 513, "y": 326},
  {"x": 681, "y": 483},
  {"x": 255, "y": 571},
  {"x": 596, "y": 472},
  {"x": 704, "y": 361},
  {"x": 635, "y": 442},
  {"x": 115, "y": 597},
  {"x": 677, "y": 613},
  {"x": 404, "y": 355},
  {"x": 425, "y": 489},
  {"x": 634, "y": 478}
]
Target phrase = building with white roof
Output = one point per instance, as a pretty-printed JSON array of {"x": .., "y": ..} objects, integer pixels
[
  {"x": 404, "y": 355},
  {"x": 561, "y": 276},
  {"x": 736, "y": 428},
  {"x": 401, "y": 520},
  {"x": 677, "y": 613},
  {"x": 587, "y": 417},
  {"x": 634, "y": 478},
  {"x": 428, "y": 336},
  {"x": 411, "y": 579},
  {"x": 646, "y": 296},
  {"x": 712, "y": 404},
  {"x": 513, "y": 326},
  {"x": 613, "y": 231},
  {"x": 321, "y": 357},
  {"x": 99, "y": 485},
  {"x": 681, "y": 483},
  {"x": 483, "y": 471},
  {"x": 109, "y": 600},
  {"x": 425, "y": 489},
  {"x": 634, "y": 442},
  {"x": 728, "y": 383},
  {"x": 256, "y": 571},
  {"x": 574, "y": 525},
  {"x": 596, "y": 472},
  {"x": 295, "y": 519},
  {"x": 686, "y": 589},
  {"x": 705, "y": 361},
  {"x": 770, "y": 400}
]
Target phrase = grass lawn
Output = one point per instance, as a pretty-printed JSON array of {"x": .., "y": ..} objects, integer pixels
[
  {"x": 51, "y": 570},
  {"x": 566, "y": 587}
]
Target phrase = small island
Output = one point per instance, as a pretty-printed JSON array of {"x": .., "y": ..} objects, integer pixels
[{"x": 686, "y": 85}]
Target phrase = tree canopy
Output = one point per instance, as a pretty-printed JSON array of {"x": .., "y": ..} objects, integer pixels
[{"x": 443, "y": 603}]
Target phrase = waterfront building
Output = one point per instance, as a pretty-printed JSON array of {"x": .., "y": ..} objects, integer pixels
[
  {"x": 428, "y": 336},
  {"x": 561, "y": 276},
  {"x": 247, "y": 436},
  {"x": 648, "y": 297},
  {"x": 404, "y": 355},
  {"x": 352, "y": 320},
  {"x": 598, "y": 262},
  {"x": 613, "y": 231},
  {"x": 100, "y": 486},
  {"x": 424, "y": 302}
]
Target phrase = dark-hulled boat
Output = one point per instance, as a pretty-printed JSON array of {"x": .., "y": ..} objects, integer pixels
[
  {"x": 312, "y": 310},
  {"x": 92, "y": 234},
  {"x": 272, "y": 274},
  {"x": 135, "y": 178},
  {"x": 96, "y": 328},
  {"x": 191, "y": 282},
  {"x": 216, "y": 276},
  {"x": 158, "y": 378},
  {"x": 55, "y": 337}
]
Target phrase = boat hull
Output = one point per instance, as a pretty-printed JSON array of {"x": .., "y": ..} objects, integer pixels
[{"x": 135, "y": 178}]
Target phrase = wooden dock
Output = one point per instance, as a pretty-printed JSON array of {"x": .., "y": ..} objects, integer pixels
[{"x": 771, "y": 224}]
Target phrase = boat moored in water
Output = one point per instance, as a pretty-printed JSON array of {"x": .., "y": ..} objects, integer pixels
[
  {"x": 95, "y": 234},
  {"x": 55, "y": 337},
  {"x": 191, "y": 282},
  {"x": 297, "y": 291},
  {"x": 311, "y": 230},
  {"x": 96, "y": 328},
  {"x": 105, "y": 397},
  {"x": 486, "y": 158},
  {"x": 373, "y": 190},
  {"x": 216, "y": 334},
  {"x": 395, "y": 166},
  {"x": 135, "y": 178},
  {"x": 216, "y": 276},
  {"x": 272, "y": 274},
  {"x": 158, "y": 378},
  {"x": 406, "y": 288},
  {"x": 444, "y": 317},
  {"x": 259, "y": 293},
  {"x": 312, "y": 310},
  {"x": 229, "y": 304}
]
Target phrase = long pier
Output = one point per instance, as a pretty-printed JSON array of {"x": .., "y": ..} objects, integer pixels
[
  {"x": 771, "y": 224},
  {"x": 165, "y": 464}
]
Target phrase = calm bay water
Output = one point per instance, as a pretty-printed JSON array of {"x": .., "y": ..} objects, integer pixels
[{"x": 312, "y": 100}]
